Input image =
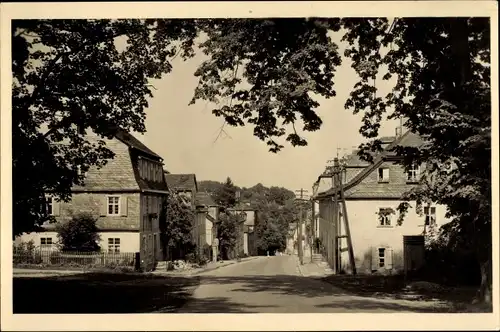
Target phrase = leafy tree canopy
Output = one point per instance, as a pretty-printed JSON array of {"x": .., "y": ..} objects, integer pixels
[
  {"x": 227, "y": 232},
  {"x": 176, "y": 220},
  {"x": 71, "y": 75}
]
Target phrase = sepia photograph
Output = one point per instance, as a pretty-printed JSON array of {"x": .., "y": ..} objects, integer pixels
[{"x": 250, "y": 162}]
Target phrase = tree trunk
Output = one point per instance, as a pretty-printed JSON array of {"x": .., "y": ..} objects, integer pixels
[{"x": 484, "y": 293}]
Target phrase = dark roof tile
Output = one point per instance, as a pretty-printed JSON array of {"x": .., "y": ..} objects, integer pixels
[
  {"x": 134, "y": 143},
  {"x": 181, "y": 181},
  {"x": 407, "y": 139},
  {"x": 204, "y": 199}
]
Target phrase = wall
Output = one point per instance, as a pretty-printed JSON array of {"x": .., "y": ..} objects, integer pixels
[
  {"x": 96, "y": 205},
  {"x": 366, "y": 232},
  {"x": 129, "y": 241},
  {"x": 208, "y": 231},
  {"x": 316, "y": 219},
  {"x": 35, "y": 237},
  {"x": 150, "y": 227},
  {"x": 250, "y": 219},
  {"x": 245, "y": 243}
]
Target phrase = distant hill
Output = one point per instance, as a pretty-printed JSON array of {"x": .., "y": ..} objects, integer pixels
[{"x": 255, "y": 195}]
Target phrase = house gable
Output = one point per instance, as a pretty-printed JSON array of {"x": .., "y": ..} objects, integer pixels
[
  {"x": 181, "y": 182},
  {"x": 366, "y": 185},
  {"x": 118, "y": 173}
]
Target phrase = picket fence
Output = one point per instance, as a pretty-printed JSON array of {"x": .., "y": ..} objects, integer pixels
[{"x": 39, "y": 256}]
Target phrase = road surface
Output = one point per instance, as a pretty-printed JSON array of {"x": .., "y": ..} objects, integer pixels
[{"x": 274, "y": 285}]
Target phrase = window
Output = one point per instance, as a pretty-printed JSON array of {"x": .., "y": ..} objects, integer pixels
[
  {"x": 430, "y": 215},
  {"x": 113, "y": 205},
  {"x": 383, "y": 175},
  {"x": 46, "y": 243},
  {"x": 79, "y": 171},
  {"x": 413, "y": 173},
  {"x": 139, "y": 166},
  {"x": 49, "y": 205},
  {"x": 384, "y": 216},
  {"x": 114, "y": 245},
  {"x": 381, "y": 257}
]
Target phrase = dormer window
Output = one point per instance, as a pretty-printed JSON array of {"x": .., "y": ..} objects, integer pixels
[
  {"x": 413, "y": 174},
  {"x": 383, "y": 174}
]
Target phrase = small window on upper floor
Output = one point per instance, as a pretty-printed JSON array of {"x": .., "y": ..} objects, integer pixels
[
  {"x": 113, "y": 205},
  {"x": 383, "y": 174},
  {"x": 413, "y": 174},
  {"x": 385, "y": 217},
  {"x": 49, "y": 205},
  {"x": 430, "y": 215}
]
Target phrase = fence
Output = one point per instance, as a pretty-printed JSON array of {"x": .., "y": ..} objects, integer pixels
[{"x": 72, "y": 259}]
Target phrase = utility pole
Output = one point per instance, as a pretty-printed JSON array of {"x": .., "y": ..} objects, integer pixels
[
  {"x": 313, "y": 225},
  {"x": 300, "y": 194}
]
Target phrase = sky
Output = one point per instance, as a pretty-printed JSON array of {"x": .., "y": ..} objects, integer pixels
[{"x": 185, "y": 136}]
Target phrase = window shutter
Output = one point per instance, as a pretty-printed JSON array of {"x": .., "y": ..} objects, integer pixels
[
  {"x": 388, "y": 258},
  {"x": 104, "y": 206},
  {"x": 55, "y": 207},
  {"x": 375, "y": 260},
  {"x": 123, "y": 205}
]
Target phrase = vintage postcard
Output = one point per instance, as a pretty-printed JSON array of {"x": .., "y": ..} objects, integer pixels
[{"x": 249, "y": 165}]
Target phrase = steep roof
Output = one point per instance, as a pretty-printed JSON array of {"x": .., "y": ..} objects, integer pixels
[
  {"x": 134, "y": 143},
  {"x": 181, "y": 181},
  {"x": 353, "y": 160},
  {"x": 204, "y": 199},
  {"x": 408, "y": 139}
]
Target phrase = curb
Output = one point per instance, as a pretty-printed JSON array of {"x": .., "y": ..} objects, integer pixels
[
  {"x": 195, "y": 273},
  {"x": 301, "y": 271},
  {"x": 217, "y": 267}
]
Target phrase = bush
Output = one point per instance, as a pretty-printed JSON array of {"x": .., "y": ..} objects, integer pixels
[
  {"x": 202, "y": 260},
  {"x": 450, "y": 267},
  {"x": 79, "y": 234},
  {"x": 191, "y": 257},
  {"x": 26, "y": 253}
]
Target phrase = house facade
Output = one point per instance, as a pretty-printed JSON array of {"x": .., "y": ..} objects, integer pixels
[
  {"x": 246, "y": 242},
  {"x": 125, "y": 196},
  {"x": 207, "y": 212},
  {"x": 373, "y": 193},
  {"x": 293, "y": 238}
]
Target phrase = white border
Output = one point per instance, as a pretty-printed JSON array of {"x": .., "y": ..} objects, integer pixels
[{"x": 236, "y": 322}]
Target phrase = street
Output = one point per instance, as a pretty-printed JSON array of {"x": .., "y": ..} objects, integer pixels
[{"x": 275, "y": 285}]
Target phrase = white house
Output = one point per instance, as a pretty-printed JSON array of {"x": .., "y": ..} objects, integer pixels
[{"x": 372, "y": 193}]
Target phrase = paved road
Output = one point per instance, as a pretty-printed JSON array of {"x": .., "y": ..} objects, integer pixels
[{"x": 274, "y": 285}]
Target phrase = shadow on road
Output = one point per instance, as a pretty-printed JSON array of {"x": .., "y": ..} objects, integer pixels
[
  {"x": 281, "y": 285},
  {"x": 136, "y": 293},
  {"x": 101, "y": 293}
]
